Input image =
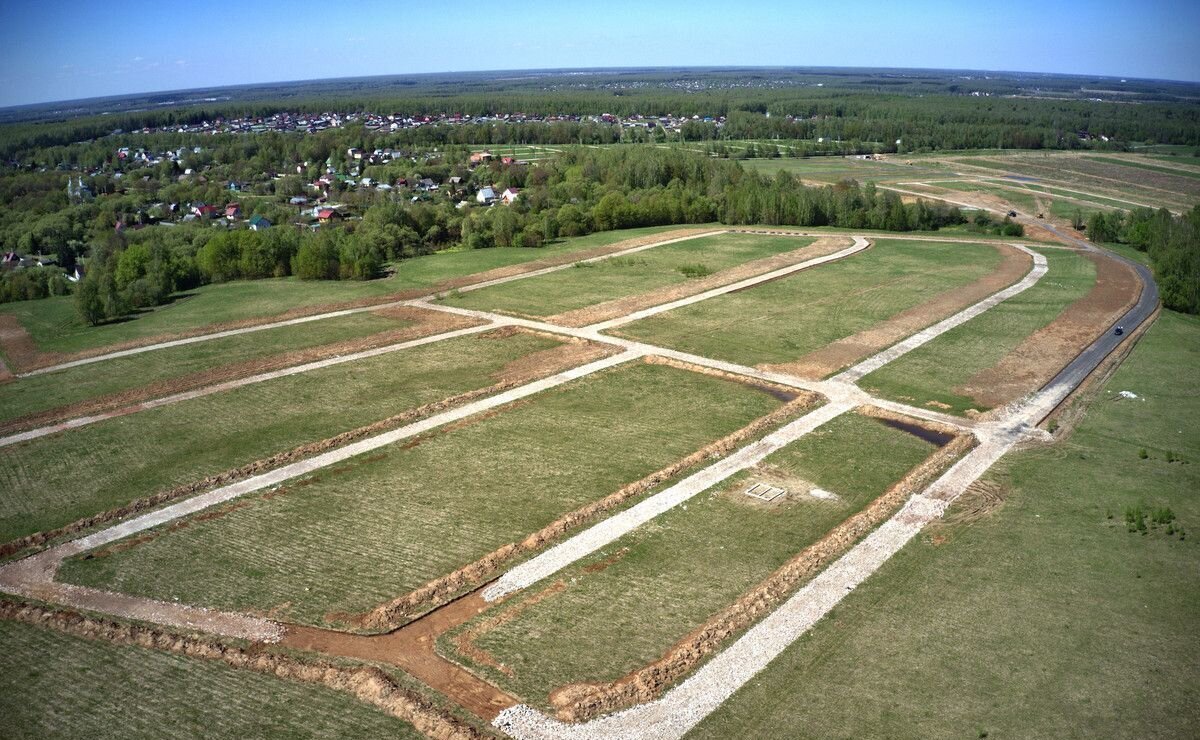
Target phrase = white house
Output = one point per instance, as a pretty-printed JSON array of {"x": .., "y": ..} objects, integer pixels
[
  {"x": 510, "y": 195},
  {"x": 485, "y": 195}
]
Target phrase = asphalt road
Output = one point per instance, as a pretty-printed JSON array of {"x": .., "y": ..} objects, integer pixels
[{"x": 1087, "y": 361}]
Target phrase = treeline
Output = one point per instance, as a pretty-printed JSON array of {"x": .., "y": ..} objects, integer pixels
[
  {"x": 1173, "y": 243},
  {"x": 920, "y": 122},
  {"x": 582, "y": 191}
]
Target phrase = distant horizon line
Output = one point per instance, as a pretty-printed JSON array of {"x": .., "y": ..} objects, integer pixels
[{"x": 543, "y": 70}]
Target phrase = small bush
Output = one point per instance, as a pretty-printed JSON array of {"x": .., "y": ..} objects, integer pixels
[
  {"x": 582, "y": 265},
  {"x": 1162, "y": 515},
  {"x": 695, "y": 271},
  {"x": 1142, "y": 454},
  {"x": 1052, "y": 426}
]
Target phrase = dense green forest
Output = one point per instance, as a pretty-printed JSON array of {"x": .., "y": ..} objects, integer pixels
[{"x": 1173, "y": 243}]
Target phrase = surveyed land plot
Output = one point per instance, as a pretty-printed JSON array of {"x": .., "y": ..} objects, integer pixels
[
  {"x": 616, "y": 277},
  {"x": 73, "y": 385},
  {"x": 781, "y": 321},
  {"x": 622, "y": 608},
  {"x": 52, "y": 481},
  {"x": 55, "y": 327},
  {"x": 342, "y": 541},
  {"x": 936, "y": 373},
  {"x": 979, "y": 609},
  {"x": 57, "y": 685}
]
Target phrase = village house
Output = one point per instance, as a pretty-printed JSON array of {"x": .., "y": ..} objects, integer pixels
[
  {"x": 258, "y": 223},
  {"x": 485, "y": 196},
  {"x": 510, "y": 195}
]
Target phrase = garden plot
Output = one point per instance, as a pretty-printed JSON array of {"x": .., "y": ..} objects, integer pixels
[
  {"x": 333, "y": 545},
  {"x": 616, "y": 277},
  {"x": 51, "y": 481},
  {"x": 781, "y": 321},
  {"x": 624, "y": 607},
  {"x": 57, "y": 685},
  {"x": 41, "y": 393},
  {"x": 946, "y": 373}
]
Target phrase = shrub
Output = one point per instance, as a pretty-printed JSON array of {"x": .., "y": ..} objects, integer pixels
[
  {"x": 1142, "y": 454},
  {"x": 695, "y": 271}
]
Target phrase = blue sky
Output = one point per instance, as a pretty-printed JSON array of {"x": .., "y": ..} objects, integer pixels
[{"x": 65, "y": 49}]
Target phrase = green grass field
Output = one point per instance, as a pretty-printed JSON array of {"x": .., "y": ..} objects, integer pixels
[
  {"x": 1144, "y": 165},
  {"x": 1043, "y": 618},
  {"x": 378, "y": 527},
  {"x": 931, "y": 372},
  {"x": 41, "y": 392},
  {"x": 623, "y": 607},
  {"x": 54, "y": 480},
  {"x": 617, "y": 277},
  {"x": 782, "y": 320},
  {"x": 54, "y": 325},
  {"x": 57, "y": 685},
  {"x": 833, "y": 169}
]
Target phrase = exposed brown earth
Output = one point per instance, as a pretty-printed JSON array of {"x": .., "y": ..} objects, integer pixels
[
  {"x": 849, "y": 350},
  {"x": 367, "y": 684},
  {"x": 23, "y": 355},
  {"x": 1036, "y": 360},
  {"x": 425, "y": 323},
  {"x": 624, "y": 306},
  {"x": 283, "y": 458},
  {"x": 412, "y": 648},
  {"x": 398, "y": 611},
  {"x": 583, "y": 701}
]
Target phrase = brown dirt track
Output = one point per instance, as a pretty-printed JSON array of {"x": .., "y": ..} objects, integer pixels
[
  {"x": 848, "y": 350},
  {"x": 426, "y": 323},
  {"x": 23, "y": 355},
  {"x": 624, "y": 306},
  {"x": 1036, "y": 360}
]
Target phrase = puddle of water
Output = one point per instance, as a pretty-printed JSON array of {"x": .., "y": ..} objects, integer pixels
[
  {"x": 940, "y": 439},
  {"x": 1022, "y": 178}
]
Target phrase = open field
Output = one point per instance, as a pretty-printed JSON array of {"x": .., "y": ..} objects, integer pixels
[
  {"x": 936, "y": 373},
  {"x": 828, "y": 170},
  {"x": 50, "y": 481},
  {"x": 55, "y": 327},
  {"x": 58, "y": 685},
  {"x": 39, "y": 393},
  {"x": 375, "y": 528},
  {"x": 781, "y": 321},
  {"x": 623, "y": 607},
  {"x": 1107, "y": 177},
  {"x": 1030, "y": 612},
  {"x": 616, "y": 277}
]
